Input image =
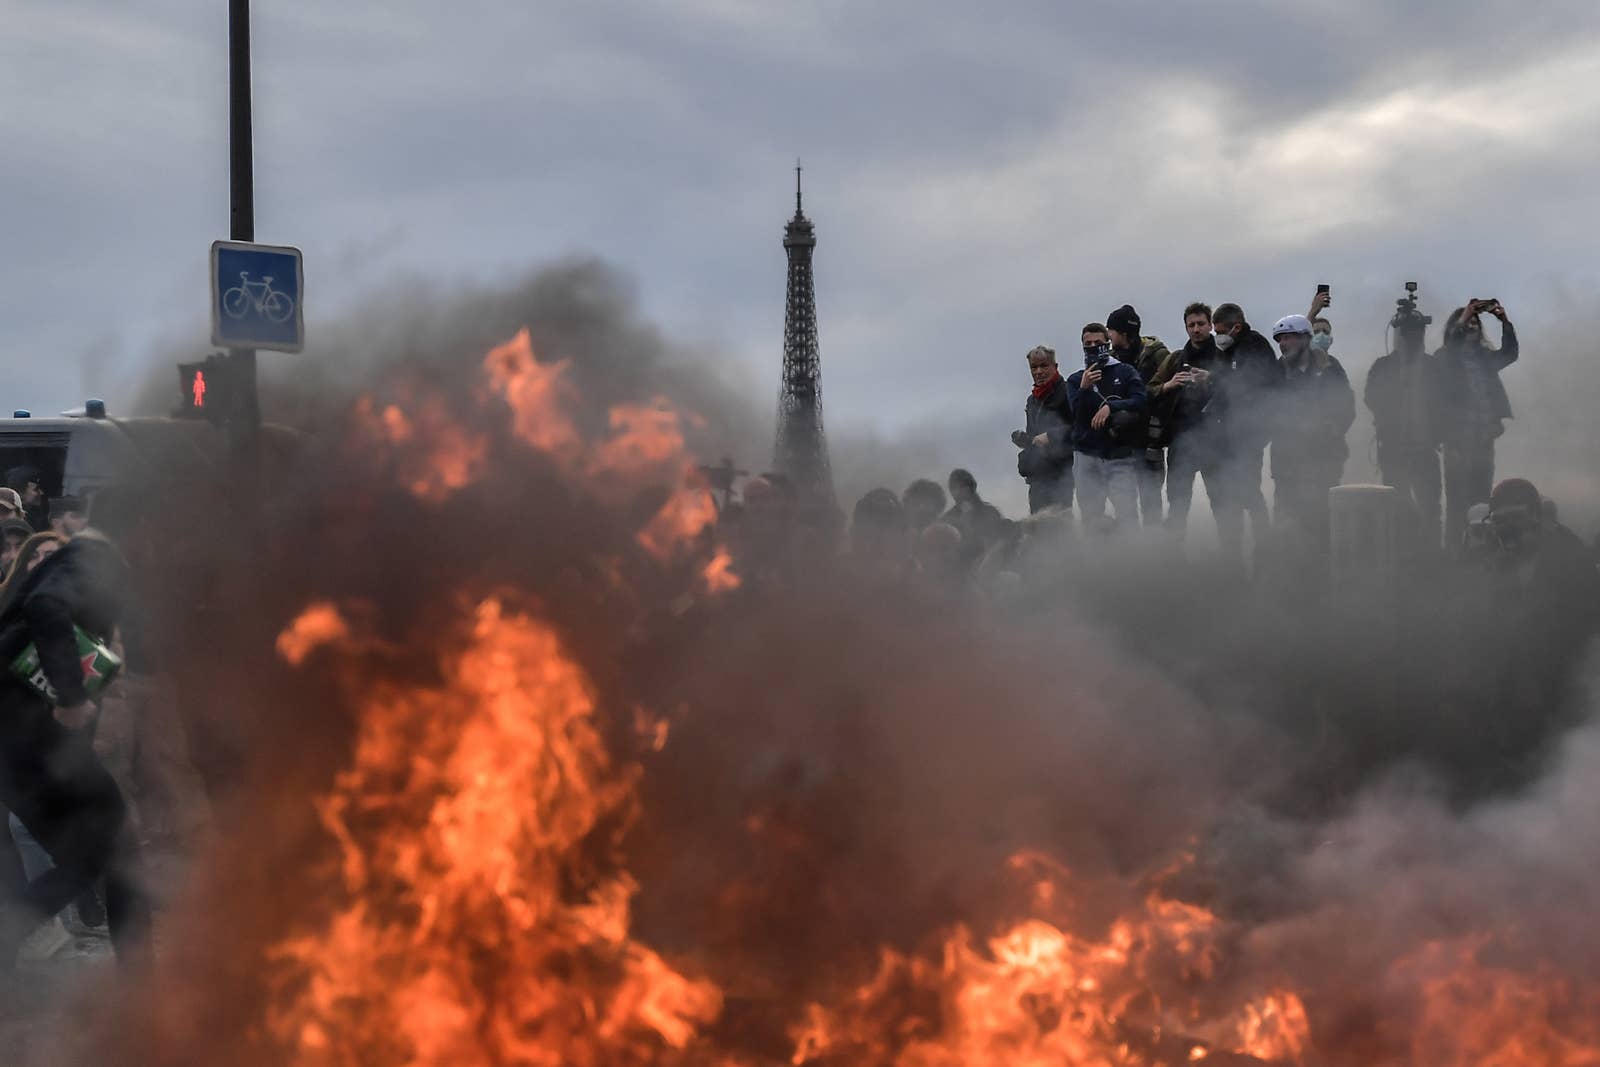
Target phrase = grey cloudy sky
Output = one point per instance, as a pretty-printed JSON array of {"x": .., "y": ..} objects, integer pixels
[{"x": 983, "y": 177}]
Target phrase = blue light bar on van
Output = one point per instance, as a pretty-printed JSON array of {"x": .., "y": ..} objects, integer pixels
[{"x": 22, "y": 413}]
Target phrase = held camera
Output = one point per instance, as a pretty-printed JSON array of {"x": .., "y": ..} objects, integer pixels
[{"x": 1406, "y": 315}]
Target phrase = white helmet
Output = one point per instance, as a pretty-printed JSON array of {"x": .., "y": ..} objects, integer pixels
[{"x": 1291, "y": 324}]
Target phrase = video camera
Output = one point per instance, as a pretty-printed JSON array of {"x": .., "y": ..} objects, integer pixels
[{"x": 1406, "y": 315}]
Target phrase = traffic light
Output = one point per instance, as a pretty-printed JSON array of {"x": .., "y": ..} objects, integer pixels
[{"x": 204, "y": 389}]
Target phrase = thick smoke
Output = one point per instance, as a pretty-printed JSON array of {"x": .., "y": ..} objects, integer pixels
[{"x": 852, "y": 767}]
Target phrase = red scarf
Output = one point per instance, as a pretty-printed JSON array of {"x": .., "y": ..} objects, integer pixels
[{"x": 1041, "y": 391}]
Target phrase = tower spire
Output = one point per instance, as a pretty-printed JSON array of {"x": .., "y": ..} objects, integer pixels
[{"x": 801, "y": 452}]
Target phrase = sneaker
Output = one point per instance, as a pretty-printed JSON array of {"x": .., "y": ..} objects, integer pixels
[{"x": 46, "y": 941}]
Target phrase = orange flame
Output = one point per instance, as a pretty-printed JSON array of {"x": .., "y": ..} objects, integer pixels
[
  {"x": 462, "y": 822},
  {"x": 539, "y": 395},
  {"x": 1037, "y": 994},
  {"x": 718, "y": 575},
  {"x": 318, "y": 625},
  {"x": 687, "y": 514},
  {"x": 1476, "y": 1012},
  {"x": 440, "y": 456}
]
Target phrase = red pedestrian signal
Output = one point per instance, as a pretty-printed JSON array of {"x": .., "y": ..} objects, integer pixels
[{"x": 203, "y": 389}]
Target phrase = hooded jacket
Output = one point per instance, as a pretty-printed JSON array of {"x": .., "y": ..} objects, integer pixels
[
  {"x": 1121, "y": 388},
  {"x": 85, "y": 584}
]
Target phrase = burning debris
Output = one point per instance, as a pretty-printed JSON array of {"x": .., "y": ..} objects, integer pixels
[{"x": 573, "y": 799}]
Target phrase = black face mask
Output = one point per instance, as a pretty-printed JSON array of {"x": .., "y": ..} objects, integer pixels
[{"x": 1095, "y": 355}]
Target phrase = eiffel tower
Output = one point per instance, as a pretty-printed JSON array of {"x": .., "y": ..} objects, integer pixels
[{"x": 801, "y": 451}]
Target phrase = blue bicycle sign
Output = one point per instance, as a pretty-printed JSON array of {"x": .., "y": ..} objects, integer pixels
[
  {"x": 257, "y": 297},
  {"x": 256, "y": 294}
]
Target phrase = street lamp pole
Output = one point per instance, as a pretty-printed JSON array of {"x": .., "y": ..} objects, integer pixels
[{"x": 246, "y": 415}]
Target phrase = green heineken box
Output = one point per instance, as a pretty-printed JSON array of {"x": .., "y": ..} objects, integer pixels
[{"x": 100, "y": 666}]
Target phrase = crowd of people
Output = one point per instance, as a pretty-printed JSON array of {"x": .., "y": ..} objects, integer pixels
[
  {"x": 1119, "y": 442},
  {"x": 1138, "y": 419}
]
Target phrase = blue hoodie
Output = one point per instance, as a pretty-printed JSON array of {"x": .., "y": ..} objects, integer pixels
[{"x": 1121, "y": 387}]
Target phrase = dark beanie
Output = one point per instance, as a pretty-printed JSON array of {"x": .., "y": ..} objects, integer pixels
[{"x": 1124, "y": 320}]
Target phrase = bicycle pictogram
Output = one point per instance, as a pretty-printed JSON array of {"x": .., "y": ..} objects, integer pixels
[{"x": 260, "y": 297}]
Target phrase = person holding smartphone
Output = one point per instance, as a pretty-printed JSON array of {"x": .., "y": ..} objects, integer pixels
[
  {"x": 1474, "y": 407},
  {"x": 1107, "y": 400}
]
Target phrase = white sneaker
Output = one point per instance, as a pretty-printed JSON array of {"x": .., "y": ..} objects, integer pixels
[{"x": 46, "y": 941}]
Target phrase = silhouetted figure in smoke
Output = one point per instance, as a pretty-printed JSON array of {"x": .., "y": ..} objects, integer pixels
[
  {"x": 1145, "y": 355},
  {"x": 51, "y": 778},
  {"x": 1191, "y": 386},
  {"x": 1474, "y": 409},
  {"x": 1404, "y": 392},
  {"x": 979, "y": 522},
  {"x": 1314, "y": 412},
  {"x": 14, "y": 533},
  {"x": 760, "y": 532},
  {"x": 1045, "y": 459},
  {"x": 1538, "y": 605},
  {"x": 880, "y": 550},
  {"x": 1255, "y": 380},
  {"x": 923, "y": 501},
  {"x": 940, "y": 560},
  {"x": 29, "y": 485}
]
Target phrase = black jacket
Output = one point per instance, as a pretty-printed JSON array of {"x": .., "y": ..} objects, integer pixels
[
  {"x": 1315, "y": 409},
  {"x": 1405, "y": 394},
  {"x": 1254, "y": 384},
  {"x": 83, "y": 584},
  {"x": 1047, "y": 415},
  {"x": 1475, "y": 401}
]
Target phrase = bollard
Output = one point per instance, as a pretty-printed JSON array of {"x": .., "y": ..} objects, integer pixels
[{"x": 1365, "y": 543}]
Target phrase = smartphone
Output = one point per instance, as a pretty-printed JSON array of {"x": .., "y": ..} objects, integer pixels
[{"x": 1324, "y": 287}]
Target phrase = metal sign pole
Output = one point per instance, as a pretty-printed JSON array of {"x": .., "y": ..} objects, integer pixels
[{"x": 245, "y": 418}]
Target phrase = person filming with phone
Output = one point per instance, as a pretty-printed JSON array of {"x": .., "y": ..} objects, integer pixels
[{"x": 1474, "y": 407}]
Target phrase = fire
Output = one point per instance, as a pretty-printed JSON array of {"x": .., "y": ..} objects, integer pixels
[
  {"x": 539, "y": 394},
  {"x": 478, "y": 923},
  {"x": 438, "y": 455},
  {"x": 688, "y": 513},
  {"x": 1037, "y": 994},
  {"x": 1478, "y": 1010},
  {"x": 645, "y": 439},
  {"x": 718, "y": 575},
  {"x": 318, "y": 625}
]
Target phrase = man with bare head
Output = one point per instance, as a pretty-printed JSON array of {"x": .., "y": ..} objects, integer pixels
[
  {"x": 1045, "y": 456},
  {"x": 1191, "y": 385}
]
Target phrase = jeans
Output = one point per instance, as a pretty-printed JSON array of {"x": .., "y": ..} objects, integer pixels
[
  {"x": 1196, "y": 453},
  {"x": 1116, "y": 479},
  {"x": 1468, "y": 478}
]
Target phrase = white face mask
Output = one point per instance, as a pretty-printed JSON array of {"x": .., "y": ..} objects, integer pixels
[
  {"x": 1224, "y": 341},
  {"x": 1323, "y": 341}
]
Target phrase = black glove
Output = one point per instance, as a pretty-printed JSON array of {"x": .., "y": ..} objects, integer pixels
[{"x": 1020, "y": 438}]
